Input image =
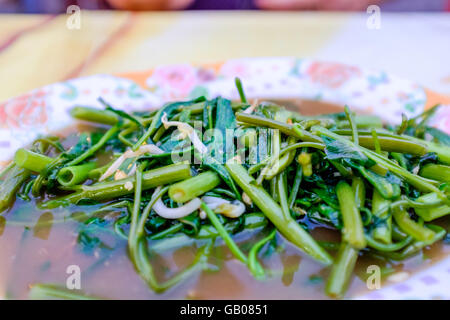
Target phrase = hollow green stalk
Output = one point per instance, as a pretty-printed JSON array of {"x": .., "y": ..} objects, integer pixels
[
  {"x": 282, "y": 194},
  {"x": 387, "y": 142},
  {"x": 296, "y": 186},
  {"x": 443, "y": 152},
  {"x": 437, "y": 172},
  {"x": 289, "y": 228},
  {"x": 352, "y": 231},
  {"x": 122, "y": 136},
  {"x": 342, "y": 271},
  {"x": 224, "y": 234},
  {"x": 30, "y": 160},
  {"x": 140, "y": 230},
  {"x": 417, "y": 181},
  {"x": 137, "y": 245},
  {"x": 133, "y": 234},
  {"x": 96, "y": 173},
  {"x": 285, "y": 128},
  {"x": 429, "y": 214},
  {"x": 253, "y": 263},
  {"x": 383, "y": 231},
  {"x": 392, "y": 144},
  {"x": 92, "y": 150},
  {"x": 112, "y": 189},
  {"x": 353, "y": 126},
  {"x": 387, "y": 247},
  {"x": 94, "y": 115},
  {"x": 376, "y": 141},
  {"x": 416, "y": 246},
  {"x": 240, "y": 90},
  {"x": 141, "y": 261},
  {"x": 362, "y": 121},
  {"x": 359, "y": 189},
  {"x": 6, "y": 169},
  {"x": 41, "y": 291},
  {"x": 411, "y": 227},
  {"x": 191, "y": 188},
  {"x": 70, "y": 176},
  {"x": 14, "y": 179},
  {"x": 270, "y": 161}
]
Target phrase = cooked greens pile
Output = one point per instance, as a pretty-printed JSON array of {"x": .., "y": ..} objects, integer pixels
[{"x": 211, "y": 169}]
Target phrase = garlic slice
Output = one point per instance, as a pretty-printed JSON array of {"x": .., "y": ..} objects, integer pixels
[
  {"x": 185, "y": 131},
  {"x": 146, "y": 148},
  {"x": 246, "y": 199},
  {"x": 175, "y": 213},
  {"x": 230, "y": 209},
  {"x": 252, "y": 107}
]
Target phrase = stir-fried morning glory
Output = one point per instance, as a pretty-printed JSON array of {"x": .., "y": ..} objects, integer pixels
[{"x": 211, "y": 169}]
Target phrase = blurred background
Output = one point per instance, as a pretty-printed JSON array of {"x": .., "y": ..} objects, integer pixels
[
  {"x": 58, "y": 6},
  {"x": 46, "y": 41}
]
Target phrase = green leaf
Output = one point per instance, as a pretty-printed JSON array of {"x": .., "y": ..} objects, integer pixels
[
  {"x": 90, "y": 234},
  {"x": 174, "y": 145},
  {"x": 192, "y": 224},
  {"x": 387, "y": 189},
  {"x": 226, "y": 123},
  {"x": 156, "y": 223},
  {"x": 339, "y": 150},
  {"x": 208, "y": 111},
  {"x": 170, "y": 109},
  {"x": 439, "y": 136},
  {"x": 215, "y": 166},
  {"x": 82, "y": 145},
  {"x": 323, "y": 213},
  {"x": 224, "y": 120},
  {"x": 328, "y": 196}
]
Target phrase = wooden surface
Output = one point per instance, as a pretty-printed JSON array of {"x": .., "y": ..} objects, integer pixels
[{"x": 38, "y": 50}]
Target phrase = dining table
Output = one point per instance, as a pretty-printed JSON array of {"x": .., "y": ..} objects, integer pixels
[{"x": 36, "y": 50}]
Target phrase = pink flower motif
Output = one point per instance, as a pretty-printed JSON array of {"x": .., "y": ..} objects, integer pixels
[
  {"x": 234, "y": 69},
  {"x": 332, "y": 75},
  {"x": 25, "y": 111},
  {"x": 178, "y": 80},
  {"x": 205, "y": 75}
]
